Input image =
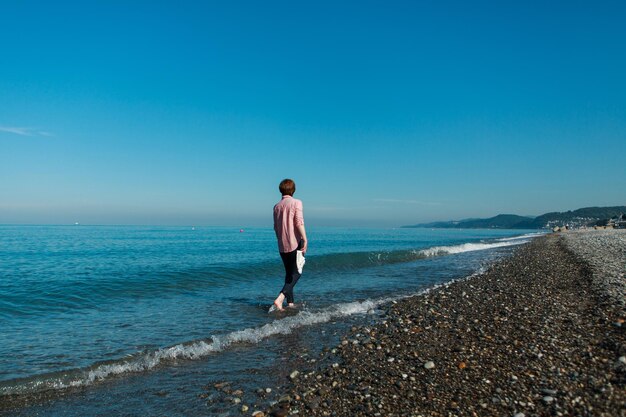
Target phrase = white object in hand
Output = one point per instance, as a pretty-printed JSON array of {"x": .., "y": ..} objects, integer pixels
[{"x": 300, "y": 261}]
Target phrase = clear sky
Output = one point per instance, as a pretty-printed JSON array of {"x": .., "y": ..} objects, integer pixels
[{"x": 384, "y": 113}]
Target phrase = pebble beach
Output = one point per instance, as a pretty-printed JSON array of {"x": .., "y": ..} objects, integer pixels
[{"x": 540, "y": 333}]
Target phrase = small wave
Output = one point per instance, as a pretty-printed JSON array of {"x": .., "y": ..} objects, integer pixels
[
  {"x": 355, "y": 260},
  {"x": 525, "y": 236},
  {"x": 467, "y": 247},
  {"x": 191, "y": 351}
]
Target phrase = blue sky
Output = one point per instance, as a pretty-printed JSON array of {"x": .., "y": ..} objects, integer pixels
[{"x": 385, "y": 113}]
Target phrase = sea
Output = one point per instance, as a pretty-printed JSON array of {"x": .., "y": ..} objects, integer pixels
[{"x": 144, "y": 320}]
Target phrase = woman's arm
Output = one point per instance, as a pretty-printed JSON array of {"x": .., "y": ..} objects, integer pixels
[{"x": 302, "y": 232}]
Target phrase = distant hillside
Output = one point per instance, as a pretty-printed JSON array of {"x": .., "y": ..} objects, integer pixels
[
  {"x": 581, "y": 217},
  {"x": 586, "y": 216},
  {"x": 501, "y": 221}
]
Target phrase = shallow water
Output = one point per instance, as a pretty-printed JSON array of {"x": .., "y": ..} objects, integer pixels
[{"x": 154, "y": 313}]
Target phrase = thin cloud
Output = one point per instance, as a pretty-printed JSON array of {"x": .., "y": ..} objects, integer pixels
[
  {"x": 399, "y": 201},
  {"x": 25, "y": 131}
]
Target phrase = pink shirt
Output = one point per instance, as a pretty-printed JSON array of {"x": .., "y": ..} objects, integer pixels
[{"x": 287, "y": 216}]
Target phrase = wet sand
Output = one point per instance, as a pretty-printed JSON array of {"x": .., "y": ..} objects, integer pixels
[{"x": 538, "y": 334}]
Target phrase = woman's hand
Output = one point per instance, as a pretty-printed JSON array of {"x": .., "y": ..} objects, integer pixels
[{"x": 304, "y": 246}]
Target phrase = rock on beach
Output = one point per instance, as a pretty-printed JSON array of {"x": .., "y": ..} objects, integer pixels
[{"x": 538, "y": 334}]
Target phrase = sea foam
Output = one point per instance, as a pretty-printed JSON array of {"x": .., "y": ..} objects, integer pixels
[{"x": 469, "y": 247}]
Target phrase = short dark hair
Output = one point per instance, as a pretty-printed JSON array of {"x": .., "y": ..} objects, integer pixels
[{"x": 287, "y": 187}]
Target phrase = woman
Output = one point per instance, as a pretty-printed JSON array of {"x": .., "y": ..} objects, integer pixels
[{"x": 291, "y": 235}]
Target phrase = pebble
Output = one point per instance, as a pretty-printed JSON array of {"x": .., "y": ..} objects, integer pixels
[
  {"x": 429, "y": 365},
  {"x": 622, "y": 359},
  {"x": 547, "y": 391},
  {"x": 548, "y": 399},
  {"x": 268, "y": 390},
  {"x": 244, "y": 408},
  {"x": 519, "y": 415},
  {"x": 294, "y": 375}
]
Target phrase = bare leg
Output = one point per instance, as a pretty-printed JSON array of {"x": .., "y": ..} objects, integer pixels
[{"x": 278, "y": 302}]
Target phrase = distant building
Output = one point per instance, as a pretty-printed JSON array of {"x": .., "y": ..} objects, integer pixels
[{"x": 572, "y": 223}]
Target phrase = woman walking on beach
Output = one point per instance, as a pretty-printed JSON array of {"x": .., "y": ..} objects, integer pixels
[{"x": 291, "y": 235}]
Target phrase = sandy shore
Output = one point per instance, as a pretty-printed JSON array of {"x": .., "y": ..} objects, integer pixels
[{"x": 540, "y": 333}]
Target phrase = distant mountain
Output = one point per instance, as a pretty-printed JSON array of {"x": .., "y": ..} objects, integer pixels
[
  {"x": 585, "y": 216},
  {"x": 501, "y": 221},
  {"x": 581, "y": 217}
]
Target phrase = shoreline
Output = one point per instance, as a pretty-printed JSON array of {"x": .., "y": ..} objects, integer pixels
[
  {"x": 536, "y": 334},
  {"x": 539, "y": 332}
]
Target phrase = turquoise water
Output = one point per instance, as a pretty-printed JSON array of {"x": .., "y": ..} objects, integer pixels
[{"x": 80, "y": 305}]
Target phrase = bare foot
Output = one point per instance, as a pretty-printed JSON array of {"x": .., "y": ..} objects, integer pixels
[
  {"x": 291, "y": 305},
  {"x": 278, "y": 302}
]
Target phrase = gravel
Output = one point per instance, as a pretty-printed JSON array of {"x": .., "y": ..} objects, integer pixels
[
  {"x": 605, "y": 252},
  {"x": 539, "y": 334}
]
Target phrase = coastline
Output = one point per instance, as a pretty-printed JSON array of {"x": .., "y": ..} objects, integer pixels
[{"x": 539, "y": 333}]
